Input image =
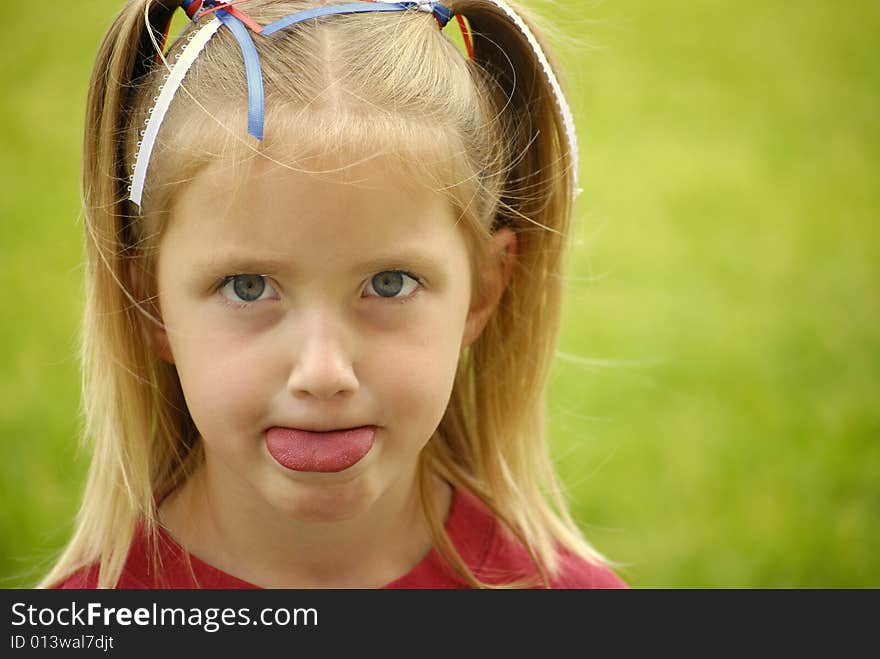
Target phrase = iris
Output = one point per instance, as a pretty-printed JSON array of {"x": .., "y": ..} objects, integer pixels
[
  {"x": 388, "y": 283},
  {"x": 248, "y": 287}
]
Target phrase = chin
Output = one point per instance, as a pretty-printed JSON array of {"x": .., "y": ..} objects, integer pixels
[{"x": 314, "y": 504}]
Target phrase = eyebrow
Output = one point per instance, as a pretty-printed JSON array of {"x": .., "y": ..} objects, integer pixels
[
  {"x": 240, "y": 263},
  {"x": 409, "y": 258},
  {"x": 415, "y": 259}
]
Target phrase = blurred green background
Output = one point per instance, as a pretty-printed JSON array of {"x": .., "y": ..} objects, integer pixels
[{"x": 715, "y": 410}]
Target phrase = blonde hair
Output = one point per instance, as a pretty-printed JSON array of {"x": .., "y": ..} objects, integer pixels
[{"x": 495, "y": 142}]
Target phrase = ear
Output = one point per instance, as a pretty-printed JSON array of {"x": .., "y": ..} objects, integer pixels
[
  {"x": 150, "y": 318},
  {"x": 494, "y": 275}
]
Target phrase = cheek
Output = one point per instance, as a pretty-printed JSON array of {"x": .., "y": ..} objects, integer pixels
[
  {"x": 417, "y": 374},
  {"x": 222, "y": 384}
]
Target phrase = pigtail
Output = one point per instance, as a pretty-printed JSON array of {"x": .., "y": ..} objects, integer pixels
[
  {"x": 492, "y": 439},
  {"x": 541, "y": 165},
  {"x": 117, "y": 397},
  {"x": 127, "y": 53}
]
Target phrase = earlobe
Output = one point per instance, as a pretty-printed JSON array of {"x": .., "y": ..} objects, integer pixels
[
  {"x": 494, "y": 277},
  {"x": 150, "y": 319}
]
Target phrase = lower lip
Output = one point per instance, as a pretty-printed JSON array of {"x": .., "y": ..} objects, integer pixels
[{"x": 326, "y": 452}]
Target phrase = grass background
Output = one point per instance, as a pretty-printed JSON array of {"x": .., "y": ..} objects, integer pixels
[{"x": 715, "y": 410}]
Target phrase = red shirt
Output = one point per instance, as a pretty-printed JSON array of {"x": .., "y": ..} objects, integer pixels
[{"x": 492, "y": 555}]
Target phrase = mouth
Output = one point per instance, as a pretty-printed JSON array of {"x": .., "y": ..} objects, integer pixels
[{"x": 326, "y": 451}]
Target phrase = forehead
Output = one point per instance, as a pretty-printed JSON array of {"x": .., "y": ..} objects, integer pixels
[{"x": 319, "y": 211}]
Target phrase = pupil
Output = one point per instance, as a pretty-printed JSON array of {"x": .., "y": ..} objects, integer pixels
[
  {"x": 388, "y": 284},
  {"x": 248, "y": 287}
]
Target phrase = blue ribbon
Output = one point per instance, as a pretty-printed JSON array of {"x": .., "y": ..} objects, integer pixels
[
  {"x": 442, "y": 13},
  {"x": 253, "y": 71}
]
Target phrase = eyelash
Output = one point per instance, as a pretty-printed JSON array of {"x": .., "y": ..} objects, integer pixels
[{"x": 243, "y": 304}]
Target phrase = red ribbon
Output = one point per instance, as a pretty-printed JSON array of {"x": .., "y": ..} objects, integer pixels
[
  {"x": 465, "y": 32},
  {"x": 232, "y": 11},
  {"x": 466, "y": 35},
  {"x": 192, "y": 8}
]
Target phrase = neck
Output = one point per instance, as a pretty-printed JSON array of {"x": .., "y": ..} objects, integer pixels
[{"x": 227, "y": 527}]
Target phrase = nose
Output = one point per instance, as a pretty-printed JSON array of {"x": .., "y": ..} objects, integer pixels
[{"x": 322, "y": 366}]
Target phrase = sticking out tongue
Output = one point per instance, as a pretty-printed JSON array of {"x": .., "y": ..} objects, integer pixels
[{"x": 303, "y": 450}]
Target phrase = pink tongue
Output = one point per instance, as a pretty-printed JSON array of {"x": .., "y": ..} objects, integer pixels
[{"x": 336, "y": 450}]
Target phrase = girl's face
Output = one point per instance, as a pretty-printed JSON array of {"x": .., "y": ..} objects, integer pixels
[{"x": 295, "y": 302}]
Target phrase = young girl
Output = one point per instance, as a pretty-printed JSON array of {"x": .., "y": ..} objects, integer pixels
[{"x": 324, "y": 277}]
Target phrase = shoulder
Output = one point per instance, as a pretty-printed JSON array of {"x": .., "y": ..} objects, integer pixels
[
  {"x": 134, "y": 572},
  {"x": 507, "y": 556},
  {"x": 156, "y": 563},
  {"x": 503, "y": 558},
  {"x": 576, "y": 572},
  {"x": 84, "y": 578}
]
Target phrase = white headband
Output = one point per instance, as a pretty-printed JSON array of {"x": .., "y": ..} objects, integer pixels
[
  {"x": 173, "y": 80},
  {"x": 200, "y": 38}
]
